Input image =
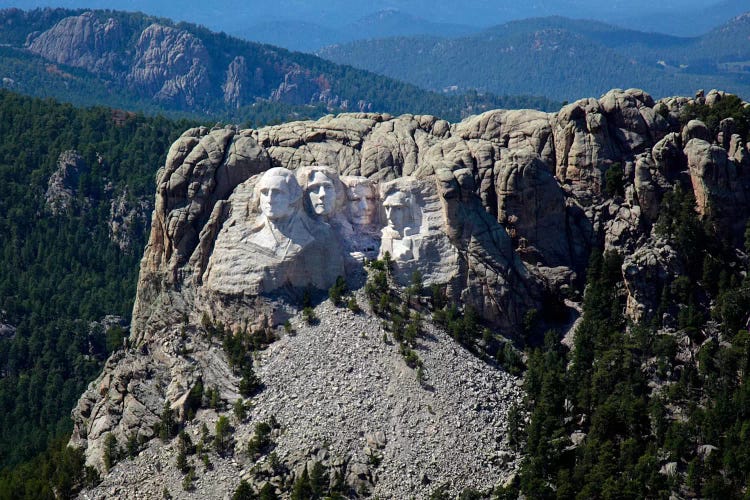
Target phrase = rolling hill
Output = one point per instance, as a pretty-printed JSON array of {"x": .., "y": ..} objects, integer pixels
[
  {"x": 307, "y": 36},
  {"x": 152, "y": 64},
  {"x": 560, "y": 58}
]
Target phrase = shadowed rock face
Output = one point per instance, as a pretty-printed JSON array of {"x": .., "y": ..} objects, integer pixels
[
  {"x": 499, "y": 210},
  {"x": 62, "y": 186}
]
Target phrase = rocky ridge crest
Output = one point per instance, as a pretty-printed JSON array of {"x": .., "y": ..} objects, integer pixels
[{"x": 174, "y": 66}]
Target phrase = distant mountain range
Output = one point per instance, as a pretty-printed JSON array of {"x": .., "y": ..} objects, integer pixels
[
  {"x": 153, "y": 64},
  {"x": 561, "y": 58},
  {"x": 141, "y": 62},
  {"x": 683, "y": 20},
  {"x": 245, "y": 17},
  {"x": 308, "y": 36}
]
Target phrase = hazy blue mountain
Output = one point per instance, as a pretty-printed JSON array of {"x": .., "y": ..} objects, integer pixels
[
  {"x": 561, "y": 58},
  {"x": 296, "y": 35},
  {"x": 307, "y": 36},
  {"x": 601, "y": 32},
  {"x": 234, "y": 16},
  {"x": 393, "y": 22},
  {"x": 691, "y": 21}
]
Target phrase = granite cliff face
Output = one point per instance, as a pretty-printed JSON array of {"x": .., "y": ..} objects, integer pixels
[
  {"x": 498, "y": 212},
  {"x": 62, "y": 187},
  {"x": 84, "y": 42},
  {"x": 176, "y": 67},
  {"x": 452, "y": 238}
]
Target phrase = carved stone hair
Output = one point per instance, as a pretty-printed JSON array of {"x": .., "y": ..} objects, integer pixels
[
  {"x": 405, "y": 191},
  {"x": 395, "y": 188}
]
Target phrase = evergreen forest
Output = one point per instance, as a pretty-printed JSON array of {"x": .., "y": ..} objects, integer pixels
[
  {"x": 652, "y": 409},
  {"x": 61, "y": 275}
]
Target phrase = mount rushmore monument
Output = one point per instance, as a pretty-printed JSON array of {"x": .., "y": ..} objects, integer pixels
[
  {"x": 499, "y": 212},
  {"x": 239, "y": 234}
]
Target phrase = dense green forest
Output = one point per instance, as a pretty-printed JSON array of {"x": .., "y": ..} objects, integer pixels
[
  {"x": 60, "y": 273},
  {"x": 651, "y": 409}
]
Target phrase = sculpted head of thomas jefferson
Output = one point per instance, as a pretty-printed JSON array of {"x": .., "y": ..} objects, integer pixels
[
  {"x": 324, "y": 192},
  {"x": 362, "y": 200}
]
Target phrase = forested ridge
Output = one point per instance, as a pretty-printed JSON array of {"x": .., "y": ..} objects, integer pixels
[
  {"x": 61, "y": 273},
  {"x": 304, "y": 78},
  {"x": 646, "y": 410},
  {"x": 560, "y": 58},
  {"x": 656, "y": 408}
]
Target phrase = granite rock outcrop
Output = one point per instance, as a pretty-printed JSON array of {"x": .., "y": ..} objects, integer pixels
[
  {"x": 499, "y": 213},
  {"x": 177, "y": 67},
  {"x": 62, "y": 187},
  {"x": 126, "y": 217},
  {"x": 82, "y": 41}
]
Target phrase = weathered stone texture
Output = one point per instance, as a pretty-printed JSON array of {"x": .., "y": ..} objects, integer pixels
[{"x": 499, "y": 211}]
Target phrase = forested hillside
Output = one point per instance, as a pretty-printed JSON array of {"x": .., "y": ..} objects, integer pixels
[
  {"x": 61, "y": 274},
  {"x": 141, "y": 62},
  {"x": 654, "y": 408},
  {"x": 642, "y": 410},
  {"x": 561, "y": 58}
]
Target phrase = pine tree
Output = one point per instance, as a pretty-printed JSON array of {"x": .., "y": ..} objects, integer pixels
[
  {"x": 244, "y": 492},
  {"x": 250, "y": 383},
  {"x": 111, "y": 451},
  {"x": 302, "y": 489},
  {"x": 222, "y": 438}
]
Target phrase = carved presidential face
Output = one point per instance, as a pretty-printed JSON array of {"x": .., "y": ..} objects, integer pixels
[
  {"x": 362, "y": 203},
  {"x": 275, "y": 199},
  {"x": 322, "y": 194},
  {"x": 396, "y": 207}
]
